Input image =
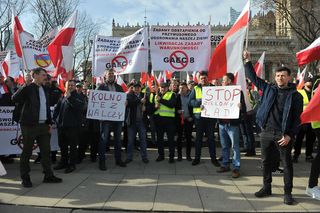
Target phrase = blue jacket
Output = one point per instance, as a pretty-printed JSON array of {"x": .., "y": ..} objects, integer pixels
[{"x": 293, "y": 105}]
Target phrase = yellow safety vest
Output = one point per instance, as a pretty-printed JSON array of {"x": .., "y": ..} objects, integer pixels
[
  {"x": 198, "y": 91},
  {"x": 163, "y": 110},
  {"x": 305, "y": 97}
]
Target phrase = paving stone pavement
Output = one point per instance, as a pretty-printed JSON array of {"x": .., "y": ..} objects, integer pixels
[{"x": 157, "y": 187}]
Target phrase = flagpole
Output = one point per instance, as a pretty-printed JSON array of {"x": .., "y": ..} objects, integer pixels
[{"x": 247, "y": 33}]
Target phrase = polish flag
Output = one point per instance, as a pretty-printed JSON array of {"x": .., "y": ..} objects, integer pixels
[
  {"x": 61, "y": 83},
  {"x": 259, "y": 68},
  {"x": 160, "y": 78},
  {"x": 309, "y": 54},
  {"x": 120, "y": 81},
  {"x": 168, "y": 74},
  {"x": 62, "y": 47},
  {"x": 4, "y": 88},
  {"x": 189, "y": 78},
  {"x": 312, "y": 112},
  {"x": 20, "y": 80},
  {"x": 17, "y": 30},
  {"x": 144, "y": 77},
  {"x": 149, "y": 82},
  {"x": 11, "y": 65},
  {"x": 227, "y": 57},
  {"x": 194, "y": 76},
  {"x": 301, "y": 78},
  {"x": 6, "y": 64}
]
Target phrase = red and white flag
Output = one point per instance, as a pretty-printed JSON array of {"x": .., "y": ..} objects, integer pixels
[
  {"x": 168, "y": 74},
  {"x": 309, "y": 54},
  {"x": 301, "y": 78},
  {"x": 122, "y": 83},
  {"x": 17, "y": 30},
  {"x": 4, "y": 88},
  {"x": 62, "y": 47},
  {"x": 195, "y": 77},
  {"x": 144, "y": 77},
  {"x": 312, "y": 112},
  {"x": 259, "y": 68},
  {"x": 61, "y": 83},
  {"x": 20, "y": 79},
  {"x": 227, "y": 57},
  {"x": 10, "y": 65}
]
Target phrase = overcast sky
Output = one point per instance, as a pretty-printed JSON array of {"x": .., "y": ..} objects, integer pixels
[{"x": 162, "y": 11}]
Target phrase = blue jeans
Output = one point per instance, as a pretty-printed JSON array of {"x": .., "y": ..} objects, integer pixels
[
  {"x": 229, "y": 137},
  {"x": 132, "y": 132},
  {"x": 105, "y": 128},
  {"x": 205, "y": 125}
]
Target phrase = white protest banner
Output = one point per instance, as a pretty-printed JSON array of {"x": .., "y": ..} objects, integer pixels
[
  {"x": 107, "y": 106},
  {"x": 221, "y": 102},
  {"x": 124, "y": 55},
  {"x": 35, "y": 53},
  {"x": 10, "y": 134},
  {"x": 178, "y": 48}
]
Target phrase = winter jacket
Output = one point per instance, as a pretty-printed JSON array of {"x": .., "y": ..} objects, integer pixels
[
  {"x": 29, "y": 99},
  {"x": 292, "y": 108}
]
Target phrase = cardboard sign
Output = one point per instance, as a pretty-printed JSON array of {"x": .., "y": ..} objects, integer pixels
[
  {"x": 106, "y": 106},
  {"x": 221, "y": 102}
]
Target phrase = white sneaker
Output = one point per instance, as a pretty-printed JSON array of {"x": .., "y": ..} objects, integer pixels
[{"x": 313, "y": 192}]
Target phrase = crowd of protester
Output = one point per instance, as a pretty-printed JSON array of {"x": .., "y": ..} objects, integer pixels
[{"x": 173, "y": 108}]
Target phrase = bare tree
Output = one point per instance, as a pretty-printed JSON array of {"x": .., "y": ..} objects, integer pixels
[
  {"x": 302, "y": 17},
  {"x": 6, "y": 19},
  {"x": 51, "y": 13},
  {"x": 87, "y": 29}
]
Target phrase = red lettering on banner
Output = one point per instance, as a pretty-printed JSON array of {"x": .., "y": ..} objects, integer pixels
[{"x": 208, "y": 92}]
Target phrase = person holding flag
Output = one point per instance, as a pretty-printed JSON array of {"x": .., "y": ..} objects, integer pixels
[{"x": 278, "y": 116}]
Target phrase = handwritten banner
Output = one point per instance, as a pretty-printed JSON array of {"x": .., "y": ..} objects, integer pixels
[
  {"x": 107, "y": 106},
  {"x": 221, "y": 102}
]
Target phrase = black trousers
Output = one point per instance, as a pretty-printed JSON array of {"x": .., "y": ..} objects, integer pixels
[
  {"x": 30, "y": 134},
  {"x": 168, "y": 125},
  {"x": 305, "y": 130},
  {"x": 184, "y": 131},
  {"x": 315, "y": 167},
  {"x": 68, "y": 141},
  {"x": 270, "y": 148}
]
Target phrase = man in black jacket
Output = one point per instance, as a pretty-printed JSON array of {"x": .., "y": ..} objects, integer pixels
[
  {"x": 105, "y": 127},
  {"x": 35, "y": 121},
  {"x": 68, "y": 116},
  {"x": 279, "y": 118},
  {"x": 136, "y": 123}
]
